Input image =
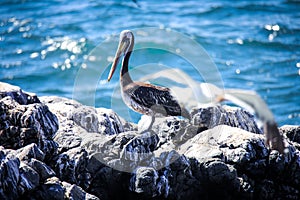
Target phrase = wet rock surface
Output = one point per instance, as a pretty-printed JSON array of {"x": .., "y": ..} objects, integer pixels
[{"x": 57, "y": 148}]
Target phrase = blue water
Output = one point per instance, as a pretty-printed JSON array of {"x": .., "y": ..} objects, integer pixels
[{"x": 254, "y": 44}]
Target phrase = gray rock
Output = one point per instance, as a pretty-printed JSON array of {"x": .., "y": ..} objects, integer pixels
[
  {"x": 24, "y": 120},
  {"x": 213, "y": 157},
  {"x": 22, "y": 98},
  {"x": 242, "y": 155},
  {"x": 98, "y": 120},
  {"x": 71, "y": 166},
  {"x": 41, "y": 168},
  {"x": 181, "y": 181},
  {"x": 170, "y": 129},
  {"x": 76, "y": 192},
  {"x": 221, "y": 141},
  {"x": 224, "y": 176},
  {"x": 110, "y": 123},
  {"x": 221, "y": 154},
  {"x": 30, "y": 151},
  {"x": 145, "y": 181},
  {"x": 292, "y": 133},
  {"x": 210, "y": 117},
  {"x": 180, "y": 130},
  {"x": 109, "y": 183},
  {"x": 80, "y": 126},
  {"x": 9, "y": 174},
  {"x": 51, "y": 189},
  {"x": 140, "y": 147},
  {"x": 29, "y": 178}
]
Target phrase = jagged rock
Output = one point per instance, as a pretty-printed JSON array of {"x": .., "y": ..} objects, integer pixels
[
  {"x": 80, "y": 126},
  {"x": 221, "y": 154},
  {"x": 222, "y": 141},
  {"x": 140, "y": 147},
  {"x": 43, "y": 170},
  {"x": 22, "y": 98},
  {"x": 29, "y": 178},
  {"x": 24, "y": 120},
  {"x": 71, "y": 166},
  {"x": 123, "y": 152},
  {"x": 18, "y": 177},
  {"x": 212, "y": 116},
  {"x": 171, "y": 129},
  {"x": 98, "y": 120},
  {"x": 247, "y": 154},
  {"x": 181, "y": 182},
  {"x": 30, "y": 151},
  {"x": 224, "y": 176},
  {"x": 109, "y": 183},
  {"x": 292, "y": 133},
  {"x": 145, "y": 180},
  {"x": 51, "y": 189},
  {"x": 9, "y": 174},
  {"x": 218, "y": 154},
  {"x": 76, "y": 192},
  {"x": 111, "y": 123},
  {"x": 180, "y": 130}
]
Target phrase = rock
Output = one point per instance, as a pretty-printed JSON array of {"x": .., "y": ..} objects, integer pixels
[
  {"x": 22, "y": 98},
  {"x": 29, "y": 178},
  {"x": 71, "y": 166},
  {"x": 24, "y": 120},
  {"x": 140, "y": 147},
  {"x": 123, "y": 152},
  {"x": 43, "y": 170},
  {"x": 60, "y": 149},
  {"x": 51, "y": 189},
  {"x": 75, "y": 192},
  {"x": 292, "y": 132},
  {"x": 110, "y": 123},
  {"x": 210, "y": 117},
  {"x": 181, "y": 181},
  {"x": 97, "y": 120},
  {"x": 171, "y": 129},
  {"x": 30, "y": 151},
  {"x": 80, "y": 126},
  {"x": 9, "y": 174},
  {"x": 242, "y": 155},
  {"x": 220, "y": 142},
  {"x": 221, "y": 180},
  {"x": 179, "y": 130},
  {"x": 108, "y": 183},
  {"x": 145, "y": 181}
]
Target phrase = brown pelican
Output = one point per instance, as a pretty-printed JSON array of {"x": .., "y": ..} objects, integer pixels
[{"x": 142, "y": 97}]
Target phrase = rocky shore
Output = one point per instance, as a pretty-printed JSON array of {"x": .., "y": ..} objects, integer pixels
[{"x": 57, "y": 148}]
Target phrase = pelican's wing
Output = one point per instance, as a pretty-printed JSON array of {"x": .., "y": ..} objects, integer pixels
[{"x": 156, "y": 98}]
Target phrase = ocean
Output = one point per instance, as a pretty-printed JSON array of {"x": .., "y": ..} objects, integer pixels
[{"x": 254, "y": 45}]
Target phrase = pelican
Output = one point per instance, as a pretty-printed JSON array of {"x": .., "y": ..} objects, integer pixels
[{"x": 144, "y": 98}]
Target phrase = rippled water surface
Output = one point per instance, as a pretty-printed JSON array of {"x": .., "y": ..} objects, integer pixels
[{"x": 254, "y": 44}]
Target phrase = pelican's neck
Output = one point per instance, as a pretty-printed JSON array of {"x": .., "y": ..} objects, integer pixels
[{"x": 125, "y": 76}]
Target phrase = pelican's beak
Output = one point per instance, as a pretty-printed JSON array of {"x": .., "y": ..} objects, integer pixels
[{"x": 116, "y": 60}]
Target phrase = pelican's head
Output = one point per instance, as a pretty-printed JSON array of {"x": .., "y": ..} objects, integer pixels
[{"x": 125, "y": 46}]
